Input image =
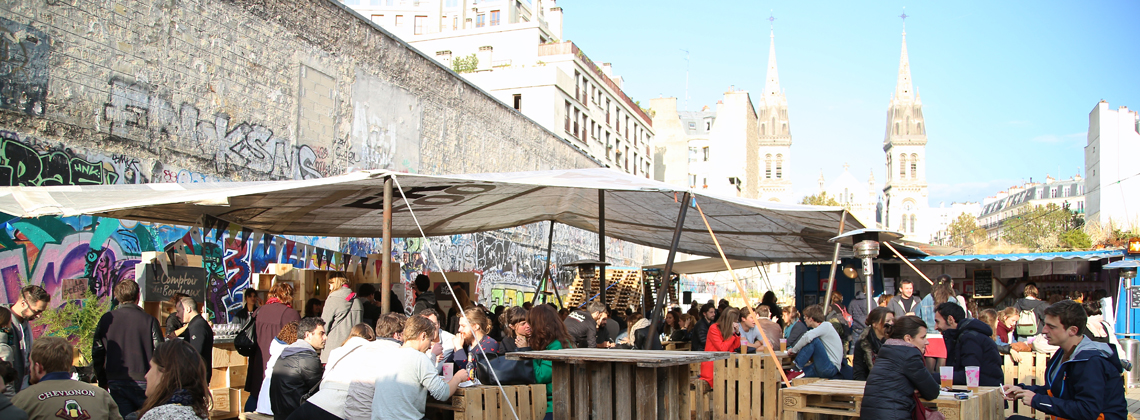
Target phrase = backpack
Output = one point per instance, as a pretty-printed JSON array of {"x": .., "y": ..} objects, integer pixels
[{"x": 1026, "y": 323}]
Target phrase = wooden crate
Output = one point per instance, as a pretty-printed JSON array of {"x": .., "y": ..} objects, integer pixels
[
  {"x": 845, "y": 398},
  {"x": 1030, "y": 371},
  {"x": 226, "y": 356},
  {"x": 700, "y": 399},
  {"x": 488, "y": 403},
  {"x": 746, "y": 386},
  {"x": 225, "y": 403}
]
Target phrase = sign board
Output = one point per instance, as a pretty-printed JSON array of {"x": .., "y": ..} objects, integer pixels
[
  {"x": 73, "y": 289},
  {"x": 161, "y": 285},
  {"x": 983, "y": 284}
]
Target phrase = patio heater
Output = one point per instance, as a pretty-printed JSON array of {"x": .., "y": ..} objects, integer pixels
[
  {"x": 1128, "y": 274},
  {"x": 865, "y": 245},
  {"x": 587, "y": 271}
]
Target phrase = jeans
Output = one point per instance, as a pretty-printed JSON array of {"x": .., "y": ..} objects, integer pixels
[
  {"x": 813, "y": 360},
  {"x": 128, "y": 395}
]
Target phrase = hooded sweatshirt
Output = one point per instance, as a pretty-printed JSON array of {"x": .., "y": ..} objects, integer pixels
[
  {"x": 970, "y": 345},
  {"x": 1085, "y": 386}
]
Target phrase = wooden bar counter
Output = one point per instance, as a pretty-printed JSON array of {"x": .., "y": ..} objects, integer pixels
[{"x": 620, "y": 384}]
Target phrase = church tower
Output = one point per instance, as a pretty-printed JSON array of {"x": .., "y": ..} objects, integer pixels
[
  {"x": 775, "y": 146},
  {"x": 905, "y": 193}
]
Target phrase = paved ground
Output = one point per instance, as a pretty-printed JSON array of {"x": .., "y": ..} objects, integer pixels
[{"x": 1133, "y": 396}]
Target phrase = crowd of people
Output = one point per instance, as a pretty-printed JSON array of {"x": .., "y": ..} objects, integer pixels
[{"x": 353, "y": 361}]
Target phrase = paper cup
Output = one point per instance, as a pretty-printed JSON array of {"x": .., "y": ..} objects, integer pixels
[
  {"x": 947, "y": 375},
  {"x": 973, "y": 374}
]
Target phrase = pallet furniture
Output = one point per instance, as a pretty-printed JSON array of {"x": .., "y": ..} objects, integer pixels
[
  {"x": 227, "y": 381},
  {"x": 625, "y": 290},
  {"x": 620, "y": 384},
  {"x": 486, "y": 402},
  {"x": 1030, "y": 371},
  {"x": 842, "y": 398},
  {"x": 747, "y": 386}
]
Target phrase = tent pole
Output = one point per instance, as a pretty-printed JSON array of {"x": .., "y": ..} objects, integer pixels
[
  {"x": 834, "y": 261},
  {"x": 386, "y": 259},
  {"x": 658, "y": 310},
  {"x": 602, "y": 243},
  {"x": 545, "y": 273}
]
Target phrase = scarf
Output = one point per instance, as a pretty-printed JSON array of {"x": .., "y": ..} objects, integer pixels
[
  {"x": 898, "y": 342},
  {"x": 273, "y": 300},
  {"x": 181, "y": 397}
]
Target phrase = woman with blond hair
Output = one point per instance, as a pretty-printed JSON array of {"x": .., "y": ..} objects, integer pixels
[
  {"x": 341, "y": 312},
  {"x": 516, "y": 330},
  {"x": 472, "y": 340},
  {"x": 268, "y": 321}
]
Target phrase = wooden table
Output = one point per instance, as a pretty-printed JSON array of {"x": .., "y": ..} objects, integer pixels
[
  {"x": 620, "y": 384},
  {"x": 845, "y": 398},
  {"x": 676, "y": 345}
]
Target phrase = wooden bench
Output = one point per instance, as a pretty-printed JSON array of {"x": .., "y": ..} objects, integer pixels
[
  {"x": 746, "y": 386},
  {"x": 1030, "y": 371},
  {"x": 842, "y": 398},
  {"x": 487, "y": 403}
]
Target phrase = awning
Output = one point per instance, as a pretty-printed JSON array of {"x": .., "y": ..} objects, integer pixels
[
  {"x": 637, "y": 210},
  {"x": 1042, "y": 256}
]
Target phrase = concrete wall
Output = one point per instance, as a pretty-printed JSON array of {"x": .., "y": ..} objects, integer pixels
[
  {"x": 126, "y": 91},
  {"x": 1113, "y": 144}
]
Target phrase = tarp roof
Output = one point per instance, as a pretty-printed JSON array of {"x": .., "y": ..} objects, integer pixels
[
  {"x": 1041, "y": 256},
  {"x": 637, "y": 210}
]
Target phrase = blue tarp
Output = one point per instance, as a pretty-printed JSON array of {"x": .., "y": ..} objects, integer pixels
[{"x": 1041, "y": 256}]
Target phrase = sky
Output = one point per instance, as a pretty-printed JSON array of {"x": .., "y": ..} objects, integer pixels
[{"x": 1006, "y": 87}]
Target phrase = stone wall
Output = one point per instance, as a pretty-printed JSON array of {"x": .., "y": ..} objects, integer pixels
[{"x": 121, "y": 91}]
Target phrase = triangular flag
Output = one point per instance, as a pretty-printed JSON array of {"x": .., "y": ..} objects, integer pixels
[
  {"x": 282, "y": 256},
  {"x": 268, "y": 239},
  {"x": 245, "y": 232},
  {"x": 256, "y": 241}
]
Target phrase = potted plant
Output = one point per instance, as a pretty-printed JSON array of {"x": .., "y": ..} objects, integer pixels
[{"x": 76, "y": 321}]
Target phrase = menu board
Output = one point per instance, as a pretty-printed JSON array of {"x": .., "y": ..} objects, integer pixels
[
  {"x": 161, "y": 285},
  {"x": 983, "y": 284}
]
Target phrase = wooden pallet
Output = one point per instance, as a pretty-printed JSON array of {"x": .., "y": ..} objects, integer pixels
[
  {"x": 1030, "y": 371},
  {"x": 625, "y": 290},
  {"x": 488, "y": 403},
  {"x": 747, "y": 386},
  {"x": 845, "y": 399}
]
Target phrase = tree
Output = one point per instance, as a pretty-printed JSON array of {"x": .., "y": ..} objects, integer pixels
[
  {"x": 1076, "y": 239},
  {"x": 820, "y": 199},
  {"x": 466, "y": 64},
  {"x": 964, "y": 231},
  {"x": 1040, "y": 227}
]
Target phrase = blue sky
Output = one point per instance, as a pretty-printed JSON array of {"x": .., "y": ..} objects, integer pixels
[{"x": 1006, "y": 87}]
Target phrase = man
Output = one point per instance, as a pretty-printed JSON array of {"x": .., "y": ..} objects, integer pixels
[
  {"x": 369, "y": 308},
  {"x": 583, "y": 325},
  {"x": 407, "y": 376},
  {"x": 389, "y": 334},
  {"x": 608, "y": 330},
  {"x": 858, "y": 310},
  {"x": 445, "y": 347},
  {"x": 1082, "y": 380},
  {"x": 198, "y": 332},
  {"x": 53, "y": 395},
  {"x": 125, "y": 339},
  {"x": 425, "y": 298},
  {"x": 8, "y": 411},
  {"x": 819, "y": 353},
  {"x": 33, "y": 301},
  {"x": 904, "y": 303},
  {"x": 298, "y": 369},
  {"x": 701, "y": 332},
  {"x": 760, "y": 320},
  {"x": 1029, "y": 308},
  {"x": 968, "y": 343}
]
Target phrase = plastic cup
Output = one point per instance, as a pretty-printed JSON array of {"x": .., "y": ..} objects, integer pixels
[
  {"x": 973, "y": 373},
  {"x": 947, "y": 375},
  {"x": 448, "y": 372},
  {"x": 783, "y": 344}
]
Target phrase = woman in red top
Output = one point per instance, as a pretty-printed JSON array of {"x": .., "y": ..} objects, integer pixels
[{"x": 724, "y": 335}]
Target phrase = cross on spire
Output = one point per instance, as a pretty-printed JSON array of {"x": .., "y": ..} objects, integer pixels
[{"x": 904, "y": 16}]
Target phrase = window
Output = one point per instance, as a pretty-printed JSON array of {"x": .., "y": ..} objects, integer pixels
[
  {"x": 419, "y": 24},
  {"x": 617, "y": 120},
  {"x": 518, "y": 101},
  {"x": 627, "y": 127},
  {"x": 577, "y": 85},
  {"x": 1053, "y": 192},
  {"x": 706, "y": 150},
  {"x": 902, "y": 166},
  {"x": 780, "y": 166},
  {"x": 896, "y": 128},
  {"x": 768, "y": 166},
  {"x": 692, "y": 154},
  {"x": 480, "y": 20},
  {"x": 913, "y": 166},
  {"x": 454, "y": 23},
  {"x": 692, "y": 180},
  {"x": 692, "y": 126},
  {"x": 912, "y": 223},
  {"x": 785, "y": 128},
  {"x": 451, "y": 3},
  {"x": 377, "y": 18},
  {"x": 576, "y": 116},
  {"x": 889, "y": 168},
  {"x": 399, "y": 21},
  {"x": 763, "y": 130},
  {"x": 494, "y": 18},
  {"x": 607, "y": 111},
  {"x": 1066, "y": 192},
  {"x": 567, "y": 115}
]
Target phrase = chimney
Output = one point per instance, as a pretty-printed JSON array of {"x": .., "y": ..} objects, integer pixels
[
  {"x": 554, "y": 18},
  {"x": 484, "y": 58}
]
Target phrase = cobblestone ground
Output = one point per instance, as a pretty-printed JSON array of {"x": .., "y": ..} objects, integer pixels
[{"x": 1133, "y": 396}]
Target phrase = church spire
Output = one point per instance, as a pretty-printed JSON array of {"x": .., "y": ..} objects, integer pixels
[
  {"x": 772, "y": 85},
  {"x": 904, "y": 90}
]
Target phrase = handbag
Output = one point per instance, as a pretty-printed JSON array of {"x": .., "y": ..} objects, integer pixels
[
  {"x": 921, "y": 412},
  {"x": 509, "y": 372},
  {"x": 245, "y": 342}
]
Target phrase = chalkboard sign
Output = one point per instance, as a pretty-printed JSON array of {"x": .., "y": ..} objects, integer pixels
[
  {"x": 1134, "y": 297},
  {"x": 160, "y": 285},
  {"x": 983, "y": 284}
]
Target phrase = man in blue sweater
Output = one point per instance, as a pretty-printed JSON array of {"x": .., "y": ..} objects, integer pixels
[{"x": 1083, "y": 379}]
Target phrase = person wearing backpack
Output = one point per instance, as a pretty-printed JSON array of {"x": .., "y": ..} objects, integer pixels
[{"x": 1030, "y": 313}]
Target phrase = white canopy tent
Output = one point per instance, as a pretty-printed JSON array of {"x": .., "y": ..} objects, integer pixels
[{"x": 636, "y": 209}]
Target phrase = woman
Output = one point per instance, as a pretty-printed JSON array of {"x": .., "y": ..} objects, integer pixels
[
  {"x": 329, "y": 403},
  {"x": 250, "y": 304},
  {"x": 795, "y": 327},
  {"x": 1098, "y": 328},
  {"x": 885, "y": 299},
  {"x": 516, "y": 330},
  {"x": 941, "y": 292},
  {"x": 341, "y": 312},
  {"x": 898, "y": 373},
  {"x": 174, "y": 326},
  {"x": 314, "y": 307},
  {"x": 269, "y": 319},
  {"x": 1007, "y": 319},
  {"x": 547, "y": 332},
  {"x": 176, "y": 384},
  {"x": 626, "y": 339},
  {"x": 880, "y": 320},
  {"x": 286, "y": 337},
  {"x": 769, "y": 300},
  {"x": 723, "y": 336},
  {"x": 671, "y": 323},
  {"x": 990, "y": 317},
  {"x": 685, "y": 331},
  {"x": 472, "y": 340},
  {"x": 359, "y": 335}
]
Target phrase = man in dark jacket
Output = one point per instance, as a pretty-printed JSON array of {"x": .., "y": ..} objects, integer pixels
[
  {"x": 701, "y": 332},
  {"x": 125, "y": 339},
  {"x": 583, "y": 325},
  {"x": 298, "y": 369},
  {"x": 968, "y": 343},
  {"x": 858, "y": 311},
  {"x": 1083, "y": 379},
  {"x": 198, "y": 332},
  {"x": 425, "y": 298}
]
